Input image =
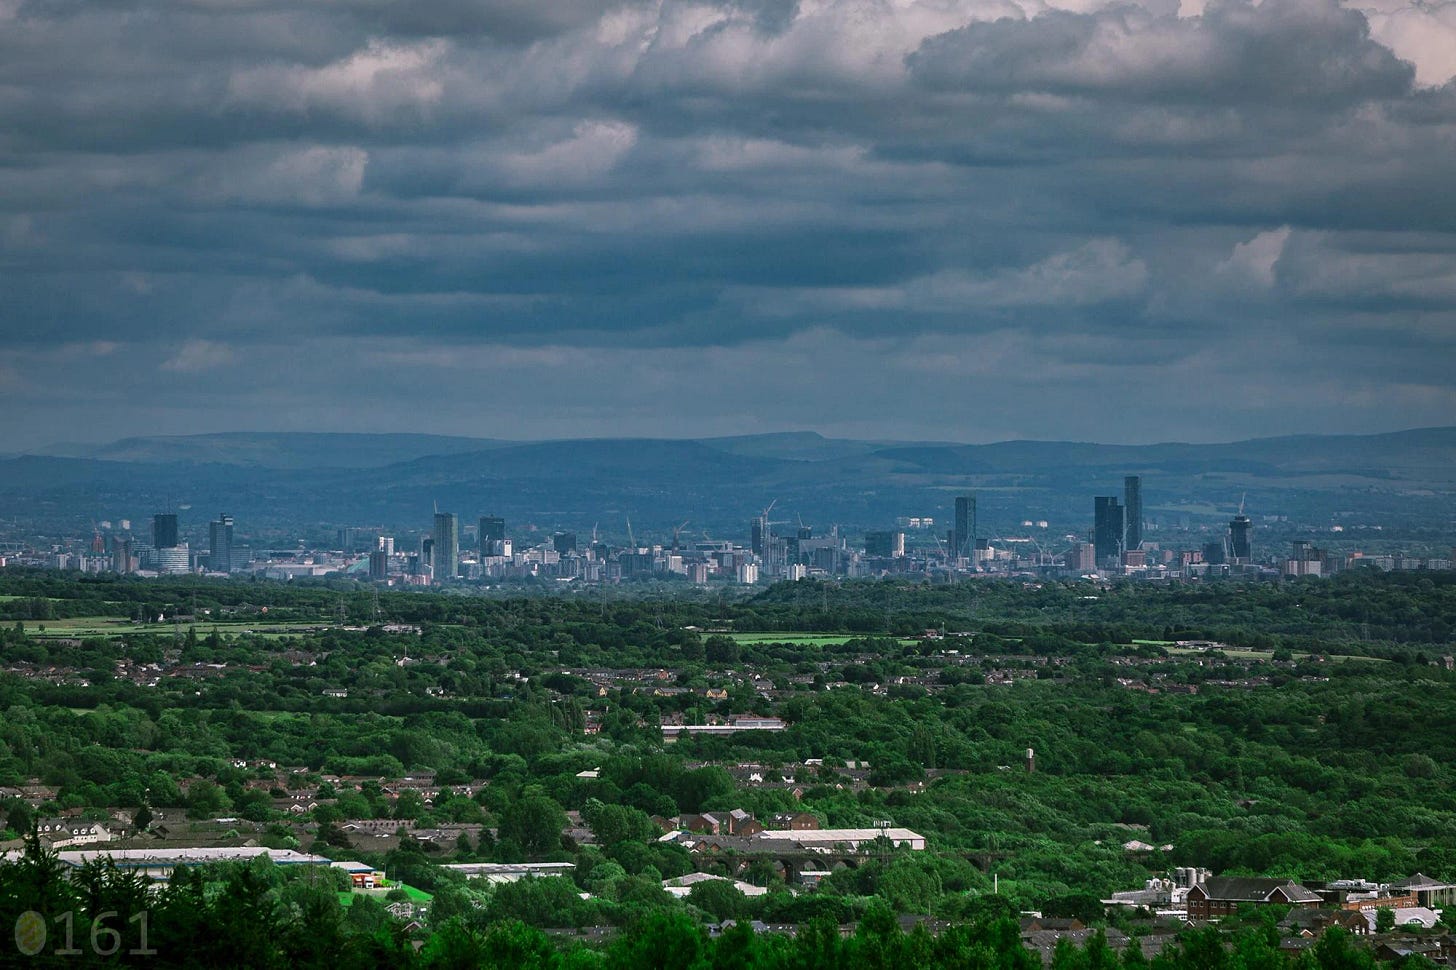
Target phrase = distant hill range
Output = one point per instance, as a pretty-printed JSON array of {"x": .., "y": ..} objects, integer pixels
[
  {"x": 276, "y": 449},
  {"x": 394, "y": 480}
]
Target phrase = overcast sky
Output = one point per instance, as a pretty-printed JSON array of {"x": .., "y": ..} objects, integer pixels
[{"x": 950, "y": 219}]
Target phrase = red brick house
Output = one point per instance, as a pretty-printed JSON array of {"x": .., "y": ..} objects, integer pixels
[
  {"x": 796, "y": 821},
  {"x": 1222, "y": 895}
]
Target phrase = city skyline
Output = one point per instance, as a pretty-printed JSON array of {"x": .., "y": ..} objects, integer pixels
[
  {"x": 966, "y": 221},
  {"x": 1113, "y": 546}
]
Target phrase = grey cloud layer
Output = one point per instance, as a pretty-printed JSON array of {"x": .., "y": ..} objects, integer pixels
[{"x": 1082, "y": 198}]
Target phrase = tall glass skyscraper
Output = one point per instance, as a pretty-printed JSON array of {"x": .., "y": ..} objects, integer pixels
[
  {"x": 1132, "y": 500},
  {"x": 492, "y": 535},
  {"x": 1240, "y": 537},
  {"x": 164, "y": 530},
  {"x": 1107, "y": 529},
  {"x": 220, "y": 544},
  {"x": 445, "y": 550},
  {"x": 964, "y": 539}
]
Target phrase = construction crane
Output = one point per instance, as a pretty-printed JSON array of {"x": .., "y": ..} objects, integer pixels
[{"x": 677, "y": 532}]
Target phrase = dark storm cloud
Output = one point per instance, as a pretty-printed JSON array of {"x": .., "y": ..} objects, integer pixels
[
  {"x": 868, "y": 216},
  {"x": 1307, "y": 53}
]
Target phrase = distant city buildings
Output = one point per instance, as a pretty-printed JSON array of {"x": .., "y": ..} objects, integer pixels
[
  {"x": 168, "y": 555},
  {"x": 1241, "y": 543},
  {"x": 121, "y": 557},
  {"x": 445, "y": 547},
  {"x": 491, "y": 536},
  {"x": 1132, "y": 497},
  {"x": 220, "y": 544},
  {"x": 1191, "y": 546},
  {"x": 963, "y": 536},
  {"x": 885, "y": 545},
  {"x": 164, "y": 530},
  {"x": 1081, "y": 558},
  {"x": 1108, "y": 529}
]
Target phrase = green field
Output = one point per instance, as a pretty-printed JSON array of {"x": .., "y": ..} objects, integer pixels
[
  {"x": 1235, "y": 653},
  {"x": 83, "y": 626},
  {"x": 78, "y": 626}
]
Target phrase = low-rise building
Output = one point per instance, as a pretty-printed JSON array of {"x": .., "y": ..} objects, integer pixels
[
  {"x": 62, "y": 832},
  {"x": 158, "y": 864},
  {"x": 501, "y": 872},
  {"x": 1431, "y": 893},
  {"x": 1222, "y": 895},
  {"x": 828, "y": 840}
]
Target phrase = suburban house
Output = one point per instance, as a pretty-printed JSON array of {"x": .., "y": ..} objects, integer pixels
[
  {"x": 736, "y": 822},
  {"x": 1222, "y": 895},
  {"x": 795, "y": 821},
  {"x": 63, "y": 832},
  {"x": 1310, "y": 922}
]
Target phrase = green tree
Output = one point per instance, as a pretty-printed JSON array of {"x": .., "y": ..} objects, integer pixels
[
  {"x": 535, "y": 823},
  {"x": 662, "y": 941},
  {"x": 612, "y": 824},
  {"x": 206, "y": 799},
  {"x": 719, "y": 898},
  {"x": 1337, "y": 951}
]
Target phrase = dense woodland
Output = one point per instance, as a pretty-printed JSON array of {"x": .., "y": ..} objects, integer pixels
[{"x": 1314, "y": 746}]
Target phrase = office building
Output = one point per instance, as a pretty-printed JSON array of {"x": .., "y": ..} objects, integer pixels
[
  {"x": 1132, "y": 500},
  {"x": 445, "y": 550},
  {"x": 1108, "y": 529},
  {"x": 120, "y": 555},
  {"x": 378, "y": 564},
  {"x": 492, "y": 535},
  {"x": 1081, "y": 558},
  {"x": 885, "y": 545},
  {"x": 164, "y": 530},
  {"x": 220, "y": 544},
  {"x": 963, "y": 538},
  {"x": 173, "y": 559},
  {"x": 564, "y": 542},
  {"x": 1241, "y": 542}
]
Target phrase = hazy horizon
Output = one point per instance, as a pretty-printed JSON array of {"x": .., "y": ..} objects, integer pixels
[{"x": 56, "y": 447}]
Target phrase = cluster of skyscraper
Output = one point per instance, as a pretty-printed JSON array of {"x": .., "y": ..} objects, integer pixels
[
  {"x": 1117, "y": 530},
  {"x": 440, "y": 550}
]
